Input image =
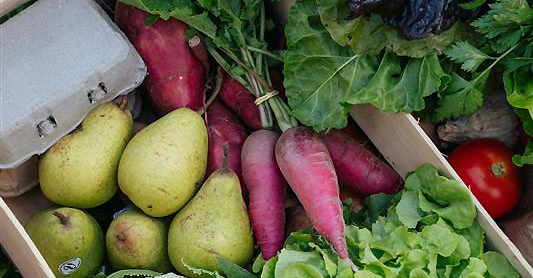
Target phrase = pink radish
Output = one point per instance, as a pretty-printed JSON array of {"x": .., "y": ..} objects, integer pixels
[
  {"x": 357, "y": 168},
  {"x": 267, "y": 190},
  {"x": 241, "y": 101},
  {"x": 223, "y": 126},
  {"x": 306, "y": 165}
]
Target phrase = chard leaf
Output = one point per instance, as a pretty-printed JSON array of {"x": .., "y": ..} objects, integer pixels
[
  {"x": 323, "y": 79},
  {"x": 498, "y": 266},
  {"x": 319, "y": 74},
  {"x": 393, "y": 89},
  {"x": 369, "y": 35}
]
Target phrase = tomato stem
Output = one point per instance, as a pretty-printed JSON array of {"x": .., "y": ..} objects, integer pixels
[{"x": 498, "y": 169}]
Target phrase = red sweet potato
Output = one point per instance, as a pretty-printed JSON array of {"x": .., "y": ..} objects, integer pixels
[
  {"x": 267, "y": 190},
  {"x": 223, "y": 126},
  {"x": 306, "y": 164},
  {"x": 176, "y": 76},
  {"x": 358, "y": 169},
  {"x": 241, "y": 101}
]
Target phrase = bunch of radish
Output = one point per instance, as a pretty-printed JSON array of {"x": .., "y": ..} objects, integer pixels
[{"x": 313, "y": 165}]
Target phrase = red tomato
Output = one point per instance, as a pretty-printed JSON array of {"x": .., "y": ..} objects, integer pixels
[{"x": 486, "y": 168}]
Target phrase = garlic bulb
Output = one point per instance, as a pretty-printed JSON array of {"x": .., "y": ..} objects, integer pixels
[{"x": 495, "y": 119}]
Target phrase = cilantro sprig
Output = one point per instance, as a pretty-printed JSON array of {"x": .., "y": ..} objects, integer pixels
[{"x": 508, "y": 32}]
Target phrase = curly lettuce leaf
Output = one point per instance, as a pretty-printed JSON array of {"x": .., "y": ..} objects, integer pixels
[
  {"x": 323, "y": 79},
  {"x": 475, "y": 268},
  {"x": 452, "y": 200},
  {"x": 369, "y": 35},
  {"x": 498, "y": 266},
  {"x": 527, "y": 120},
  {"x": 519, "y": 88},
  {"x": 526, "y": 158}
]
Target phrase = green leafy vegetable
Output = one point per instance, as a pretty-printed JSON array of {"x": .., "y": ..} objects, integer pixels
[
  {"x": 506, "y": 23},
  {"x": 519, "y": 89},
  {"x": 369, "y": 35},
  {"x": 466, "y": 54},
  {"x": 408, "y": 210},
  {"x": 323, "y": 79},
  {"x": 498, "y": 266},
  {"x": 472, "y": 5},
  {"x": 527, "y": 157},
  {"x": 527, "y": 120}
]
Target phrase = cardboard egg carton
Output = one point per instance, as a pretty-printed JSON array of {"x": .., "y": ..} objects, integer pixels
[{"x": 59, "y": 59}]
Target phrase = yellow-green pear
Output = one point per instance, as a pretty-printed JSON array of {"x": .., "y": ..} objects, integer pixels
[
  {"x": 80, "y": 170},
  {"x": 70, "y": 240},
  {"x": 136, "y": 240},
  {"x": 214, "y": 223},
  {"x": 164, "y": 164}
]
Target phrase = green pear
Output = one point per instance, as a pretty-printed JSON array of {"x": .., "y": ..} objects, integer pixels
[
  {"x": 136, "y": 240},
  {"x": 70, "y": 240},
  {"x": 214, "y": 223},
  {"x": 164, "y": 164},
  {"x": 80, "y": 170}
]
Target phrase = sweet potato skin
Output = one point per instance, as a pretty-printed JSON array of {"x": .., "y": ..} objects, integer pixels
[
  {"x": 176, "y": 76},
  {"x": 267, "y": 189},
  {"x": 306, "y": 164},
  {"x": 357, "y": 168},
  {"x": 241, "y": 101},
  {"x": 223, "y": 126}
]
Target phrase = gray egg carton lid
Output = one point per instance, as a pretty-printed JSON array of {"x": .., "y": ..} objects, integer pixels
[{"x": 58, "y": 60}]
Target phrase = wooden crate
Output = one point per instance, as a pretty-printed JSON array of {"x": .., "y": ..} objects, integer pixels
[{"x": 398, "y": 137}]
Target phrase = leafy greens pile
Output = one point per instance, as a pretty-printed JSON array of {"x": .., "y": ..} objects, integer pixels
[
  {"x": 332, "y": 63},
  {"x": 426, "y": 230}
]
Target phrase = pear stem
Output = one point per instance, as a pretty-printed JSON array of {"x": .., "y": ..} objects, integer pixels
[
  {"x": 225, "y": 159},
  {"x": 63, "y": 219},
  {"x": 123, "y": 102}
]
